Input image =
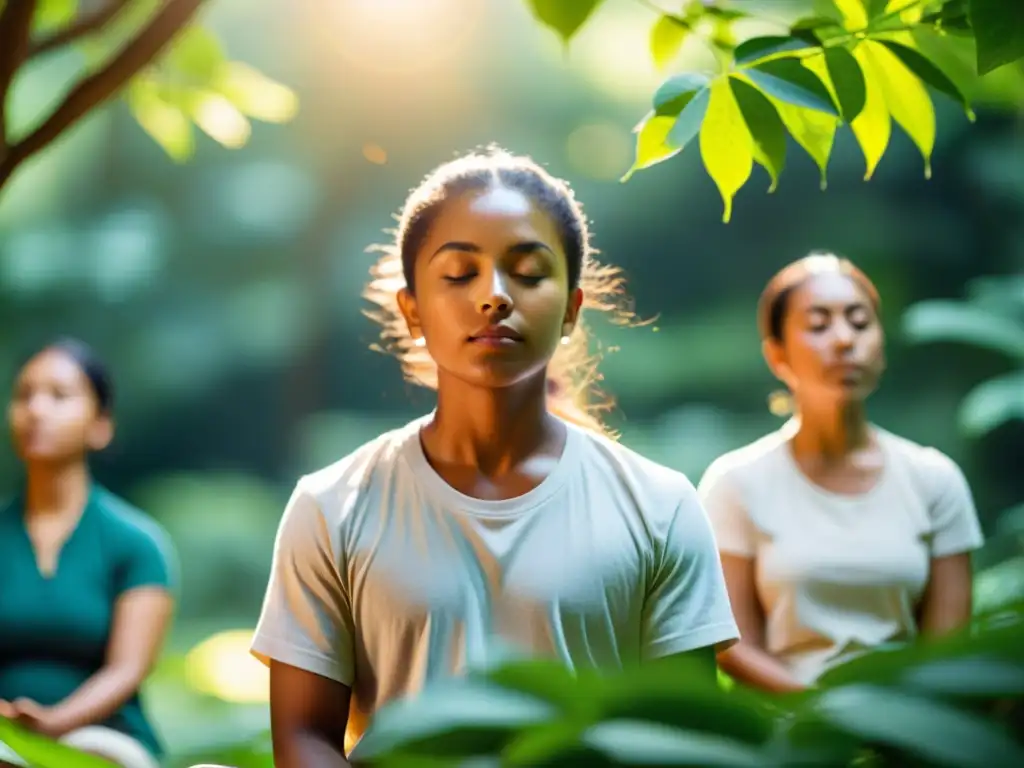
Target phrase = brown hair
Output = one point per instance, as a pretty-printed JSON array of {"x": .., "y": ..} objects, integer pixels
[
  {"x": 774, "y": 303},
  {"x": 573, "y": 372}
]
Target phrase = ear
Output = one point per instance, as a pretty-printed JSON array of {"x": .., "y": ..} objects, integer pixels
[
  {"x": 409, "y": 310},
  {"x": 775, "y": 357},
  {"x": 572, "y": 311},
  {"x": 100, "y": 433}
]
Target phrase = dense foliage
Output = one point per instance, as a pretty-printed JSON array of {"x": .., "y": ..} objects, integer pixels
[{"x": 831, "y": 63}]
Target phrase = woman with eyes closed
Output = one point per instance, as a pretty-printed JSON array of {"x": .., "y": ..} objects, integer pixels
[
  {"x": 836, "y": 535},
  {"x": 506, "y": 514}
]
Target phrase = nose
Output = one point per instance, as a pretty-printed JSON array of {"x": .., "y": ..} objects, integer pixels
[
  {"x": 844, "y": 335},
  {"x": 495, "y": 298}
]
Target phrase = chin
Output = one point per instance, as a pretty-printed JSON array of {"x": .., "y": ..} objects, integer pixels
[{"x": 498, "y": 376}]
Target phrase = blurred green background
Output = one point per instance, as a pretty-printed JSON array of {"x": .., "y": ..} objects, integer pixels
[{"x": 225, "y": 292}]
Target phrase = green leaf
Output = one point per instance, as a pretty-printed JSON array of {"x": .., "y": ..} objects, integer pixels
[
  {"x": 41, "y": 752},
  {"x": 906, "y": 98},
  {"x": 788, "y": 80},
  {"x": 971, "y": 676},
  {"x": 53, "y": 14},
  {"x": 765, "y": 126},
  {"x": 690, "y": 120},
  {"x": 759, "y": 47},
  {"x": 166, "y": 123},
  {"x": 931, "y": 730},
  {"x": 458, "y": 718},
  {"x": 847, "y": 81},
  {"x": 638, "y": 743},
  {"x": 197, "y": 54},
  {"x": 725, "y": 144},
  {"x": 999, "y": 31},
  {"x": 938, "y": 320},
  {"x": 853, "y": 12},
  {"x": 675, "y": 93},
  {"x": 992, "y": 403},
  {"x": 651, "y": 147},
  {"x": 220, "y": 120},
  {"x": 812, "y": 130},
  {"x": 873, "y": 126},
  {"x": 929, "y": 73},
  {"x": 667, "y": 36},
  {"x": 255, "y": 94},
  {"x": 565, "y": 17},
  {"x": 876, "y": 8}
]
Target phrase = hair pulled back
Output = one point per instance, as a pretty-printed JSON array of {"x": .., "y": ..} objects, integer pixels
[{"x": 573, "y": 373}]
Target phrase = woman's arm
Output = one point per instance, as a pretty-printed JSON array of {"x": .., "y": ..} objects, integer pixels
[
  {"x": 747, "y": 660},
  {"x": 141, "y": 618},
  {"x": 946, "y": 604},
  {"x": 308, "y": 716}
]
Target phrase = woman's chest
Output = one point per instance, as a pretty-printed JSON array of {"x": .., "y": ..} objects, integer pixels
[{"x": 879, "y": 541}]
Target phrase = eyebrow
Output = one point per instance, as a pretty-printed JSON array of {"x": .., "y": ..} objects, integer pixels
[{"x": 526, "y": 246}]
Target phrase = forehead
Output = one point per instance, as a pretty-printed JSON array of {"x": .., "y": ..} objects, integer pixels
[
  {"x": 55, "y": 366},
  {"x": 493, "y": 218},
  {"x": 829, "y": 290}
]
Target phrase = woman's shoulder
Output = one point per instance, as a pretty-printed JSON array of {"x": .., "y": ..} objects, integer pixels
[
  {"x": 126, "y": 522},
  {"x": 931, "y": 468},
  {"x": 746, "y": 463},
  {"x": 372, "y": 462}
]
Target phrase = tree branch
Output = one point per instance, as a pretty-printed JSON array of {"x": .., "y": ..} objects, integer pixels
[
  {"x": 97, "y": 88},
  {"x": 84, "y": 25},
  {"x": 15, "y": 28}
]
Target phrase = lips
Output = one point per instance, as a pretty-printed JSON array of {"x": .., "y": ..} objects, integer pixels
[{"x": 496, "y": 335}]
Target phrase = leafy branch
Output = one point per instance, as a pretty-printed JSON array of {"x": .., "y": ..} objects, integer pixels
[
  {"x": 865, "y": 64},
  {"x": 173, "y": 73}
]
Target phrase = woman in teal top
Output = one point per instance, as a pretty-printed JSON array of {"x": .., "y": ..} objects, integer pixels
[{"x": 87, "y": 579}]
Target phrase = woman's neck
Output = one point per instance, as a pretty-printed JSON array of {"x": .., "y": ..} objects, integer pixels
[
  {"x": 55, "y": 489},
  {"x": 493, "y": 430},
  {"x": 831, "y": 431}
]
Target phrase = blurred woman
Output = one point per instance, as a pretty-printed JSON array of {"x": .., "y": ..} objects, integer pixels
[
  {"x": 86, "y": 598},
  {"x": 836, "y": 535},
  {"x": 505, "y": 514}
]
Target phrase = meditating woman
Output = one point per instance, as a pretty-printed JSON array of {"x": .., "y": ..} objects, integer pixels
[
  {"x": 836, "y": 535},
  {"x": 86, "y": 579}
]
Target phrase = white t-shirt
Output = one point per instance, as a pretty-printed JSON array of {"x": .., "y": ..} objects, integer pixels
[
  {"x": 838, "y": 574},
  {"x": 385, "y": 577}
]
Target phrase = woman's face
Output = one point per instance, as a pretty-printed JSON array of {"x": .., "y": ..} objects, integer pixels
[
  {"x": 833, "y": 346},
  {"x": 53, "y": 412},
  {"x": 492, "y": 293}
]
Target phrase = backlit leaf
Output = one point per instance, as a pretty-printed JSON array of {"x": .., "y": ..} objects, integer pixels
[
  {"x": 765, "y": 126},
  {"x": 639, "y": 743},
  {"x": 651, "y": 148},
  {"x": 221, "y": 120},
  {"x": 873, "y": 126},
  {"x": 667, "y": 36},
  {"x": 688, "y": 123},
  {"x": 999, "y": 31},
  {"x": 565, "y": 17},
  {"x": 788, "y": 80},
  {"x": 938, "y": 320},
  {"x": 40, "y": 752},
  {"x": 846, "y": 80},
  {"x": 255, "y": 94},
  {"x": 197, "y": 54},
  {"x": 929, "y": 73},
  {"x": 725, "y": 144},
  {"x": 166, "y": 123},
  {"x": 854, "y": 13},
  {"x": 52, "y": 14},
  {"x": 906, "y": 99},
  {"x": 814, "y": 131}
]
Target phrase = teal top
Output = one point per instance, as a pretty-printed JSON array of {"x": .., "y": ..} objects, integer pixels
[{"x": 54, "y": 630}]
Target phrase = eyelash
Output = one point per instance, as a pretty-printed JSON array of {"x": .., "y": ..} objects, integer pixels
[{"x": 527, "y": 279}]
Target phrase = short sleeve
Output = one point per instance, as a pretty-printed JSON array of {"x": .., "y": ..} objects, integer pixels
[
  {"x": 147, "y": 558},
  {"x": 306, "y": 621},
  {"x": 687, "y": 605},
  {"x": 732, "y": 525},
  {"x": 953, "y": 517}
]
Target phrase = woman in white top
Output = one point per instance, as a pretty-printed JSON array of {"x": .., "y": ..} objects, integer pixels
[
  {"x": 505, "y": 514},
  {"x": 836, "y": 536}
]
